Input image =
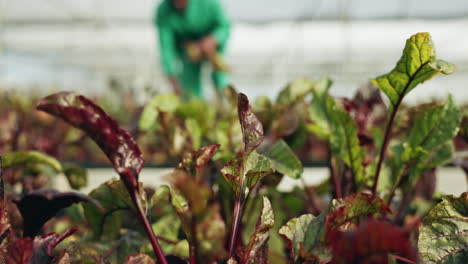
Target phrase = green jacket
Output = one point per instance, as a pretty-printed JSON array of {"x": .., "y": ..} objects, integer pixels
[{"x": 201, "y": 18}]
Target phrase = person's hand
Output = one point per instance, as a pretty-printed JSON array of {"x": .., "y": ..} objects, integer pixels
[
  {"x": 176, "y": 88},
  {"x": 208, "y": 45}
]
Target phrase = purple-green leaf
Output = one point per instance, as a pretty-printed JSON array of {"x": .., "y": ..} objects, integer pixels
[
  {"x": 252, "y": 129},
  {"x": 37, "y": 250},
  {"x": 40, "y": 206},
  {"x": 257, "y": 250},
  {"x": 119, "y": 146}
]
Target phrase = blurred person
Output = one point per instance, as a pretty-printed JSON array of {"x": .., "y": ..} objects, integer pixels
[{"x": 192, "y": 32}]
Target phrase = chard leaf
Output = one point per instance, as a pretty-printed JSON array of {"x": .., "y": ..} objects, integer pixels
[
  {"x": 318, "y": 109},
  {"x": 119, "y": 146},
  {"x": 345, "y": 142},
  {"x": 195, "y": 132},
  {"x": 252, "y": 129},
  {"x": 37, "y": 250},
  {"x": 372, "y": 242},
  {"x": 429, "y": 142},
  {"x": 284, "y": 160},
  {"x": 350, "y": 210},
  {"x": 248, "y": 168},
  {"x": 112, "y": 196},
  {"x": 443, "y": 235},
  {"x": 167, "y": 229},
  {"x": 295, "y": 91},
  {"x": 333, "y": 123},
  {"x": 160, "y": 103},
  {"x": 305, "y": 238},
  {"x": 417, "y": 65},
  {"x": 201, "y": 222},
  {"x": 197, "y": 159},
  {"x": 257, "y": 250},
  {"x": 139, "y": 259},
  {"x": 77, "y": 177},
  {"x": 25, "y": 158},
  {"x": 40, "y": 206}
]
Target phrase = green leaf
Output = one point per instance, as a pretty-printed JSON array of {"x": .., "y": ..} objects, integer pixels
[
  {"x": 435, "y": 126},
  {"x": 443, "y": 235},
  {"x": 167, "y": 229},
  {"x": 247, "y": 168},
  {"x": 295, "y": 91},
  {"x": 417, "y": 64},
  {"x": 333, "y": 123},
  {"x": 257, "y": 250},
  {"x": 284, "y": 160},
  {"x": 345, "y": 142},
  {"x": 305, "y": 237},
  {"x": 114, "y": 198},
  {"x": 26, "y": 158},
  {"x": 195, "y": 132},
  {"x": 351, "y": 209},
  {"x": 318, "y": 109},
  {"x": 164, "y": 103},
  {"x": 77, "y": 177},
  {"x": 429, "y": 142}
]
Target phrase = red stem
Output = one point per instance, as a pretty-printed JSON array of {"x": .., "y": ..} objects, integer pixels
[
  {"x": 193, "y": 242},
  {"x": 238, "y": 208},
  {"x": 336, "y": 178},
  {"x": 383, "y": 150},
  {"x": 404, "y": 259},
  {"x": 152, "y": 237}
]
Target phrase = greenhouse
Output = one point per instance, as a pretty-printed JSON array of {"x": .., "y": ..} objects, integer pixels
[{"x": 240, "y": 132}]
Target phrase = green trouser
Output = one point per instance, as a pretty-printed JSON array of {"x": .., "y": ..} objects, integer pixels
[{"x": 190, "y": 77}]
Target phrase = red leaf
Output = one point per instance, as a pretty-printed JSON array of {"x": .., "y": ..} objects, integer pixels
[
  {"x": 37, "y": 250},
  {"x": 4, "y": 221},
  {"x": 20, "y": 252},
  {"x": 252, "y": 129},
  {"x": 117, "y": 143},
  {"x": 353, "y": 208},
  {"x": 198, "y": 158},
  {"x": 138, "y": 259},
  {"x": 371, "y": 242},
  {"x": 39, "y": 206}
]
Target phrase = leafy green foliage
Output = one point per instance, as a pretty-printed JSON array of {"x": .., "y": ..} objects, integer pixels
[
  {"x": 417, "y": 64},
  {"x": 295, "y": 91},
  {"x": 306, "y": 238},
  {"x": 351, "y": 209},
  {"x": 257, "y": 250},
  {"x": 443, "y": 234},
  {"x": 333, "y": 123},
  {"x": 77, "y": 177},
  {"x": 284, "y": 160},
  {"x": 429, "y": 142},
  {"x": 106, "y": 223},
  {"x": 251, "y": 167},
  {"x": 187, "y": 222},
  {"x": 23, "y": 158},
  {"x": 160, "y": 103}
]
